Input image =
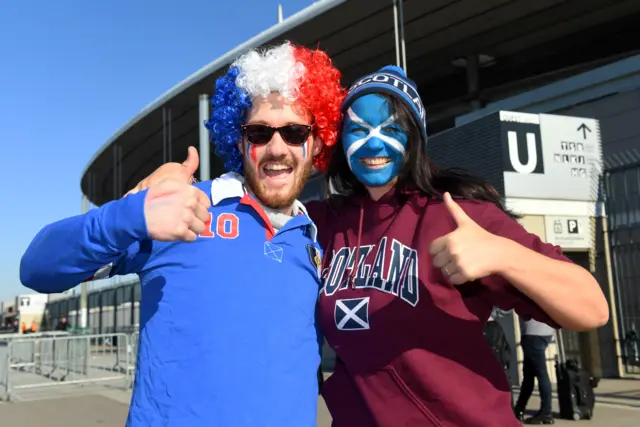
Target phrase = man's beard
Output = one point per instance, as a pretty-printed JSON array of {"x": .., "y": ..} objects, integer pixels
[{"x": 281, "y": 199}]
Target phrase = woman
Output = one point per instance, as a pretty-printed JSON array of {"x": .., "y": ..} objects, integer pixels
[
  {"x": 406, "y": 320},
  {"x": 415, "y": 260}
]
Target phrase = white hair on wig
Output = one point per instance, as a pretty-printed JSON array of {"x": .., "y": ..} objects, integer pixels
[{"x": 271, "y": 70}]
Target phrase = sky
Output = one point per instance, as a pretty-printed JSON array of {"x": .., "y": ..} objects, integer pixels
[{"x": 72, "y": 72}]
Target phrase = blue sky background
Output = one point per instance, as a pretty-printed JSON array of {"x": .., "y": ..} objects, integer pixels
[{"x": 72, "y": 72}]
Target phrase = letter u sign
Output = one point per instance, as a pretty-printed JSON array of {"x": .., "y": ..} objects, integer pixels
[{"x": 514, "y": 153}]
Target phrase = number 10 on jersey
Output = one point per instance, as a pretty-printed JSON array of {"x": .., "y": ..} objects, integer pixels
[{"x": 225, "y": 225}]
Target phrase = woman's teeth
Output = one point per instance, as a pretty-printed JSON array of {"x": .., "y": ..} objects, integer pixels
[{"x": 374, "y": 162}]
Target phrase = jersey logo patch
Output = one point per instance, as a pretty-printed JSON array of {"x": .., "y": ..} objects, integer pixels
[
  {"x": 273, "y": 251},
  {"x": 315, "y": 258},
  {"x": 352, "y": 314}
]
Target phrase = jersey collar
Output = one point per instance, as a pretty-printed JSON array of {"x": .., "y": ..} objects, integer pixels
[
  {"x": 231, "y": 185},
  {"x": 227, "y": 186}
]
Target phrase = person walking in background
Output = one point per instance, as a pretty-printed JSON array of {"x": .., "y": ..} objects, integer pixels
[
  {"x": 62, "y": 325},
  {"x": 536, "y": 337}
]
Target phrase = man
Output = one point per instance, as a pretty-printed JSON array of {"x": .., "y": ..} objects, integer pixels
[
  {"x": 238, "y": 253},
  {"x": 62, "y": 325},
  {"x": 536, "y": 337}
]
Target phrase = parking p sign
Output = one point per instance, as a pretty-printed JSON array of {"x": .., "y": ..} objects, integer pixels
[{"x": 573, "y": 226}]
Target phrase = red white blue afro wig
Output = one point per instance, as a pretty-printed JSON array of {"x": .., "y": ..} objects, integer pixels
[{"x": 307, "y": 77}]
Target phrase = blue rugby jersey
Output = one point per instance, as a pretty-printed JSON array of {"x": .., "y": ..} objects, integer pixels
[{"x": 228, "y": 334}]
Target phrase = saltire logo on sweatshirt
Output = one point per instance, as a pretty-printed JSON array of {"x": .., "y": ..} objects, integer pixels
[
  {"x": 352, "y": 314},
  {"x": 394, "y": 273}
]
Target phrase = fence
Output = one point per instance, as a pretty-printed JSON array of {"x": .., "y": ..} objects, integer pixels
[
  {"x": 37, "y": 362},
  {"x": 622, "y": 189}
]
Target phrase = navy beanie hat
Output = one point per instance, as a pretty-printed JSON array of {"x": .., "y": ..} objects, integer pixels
[{"x": 393, "y": 81}]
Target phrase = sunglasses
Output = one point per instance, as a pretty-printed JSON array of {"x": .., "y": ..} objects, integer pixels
[{"x": 291, "y": 134}]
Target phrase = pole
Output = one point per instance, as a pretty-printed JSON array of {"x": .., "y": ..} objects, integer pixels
[
  {"x": 613, "y": 303},
  {"x": 84, "y": 285},
  {"x": 205, "y": 159},
  {"x": 396, "y": 33},
  {"x": 402, "y": 43},
  {"x": 280, "y": 18}
]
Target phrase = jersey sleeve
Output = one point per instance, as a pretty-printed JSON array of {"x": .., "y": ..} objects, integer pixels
[
  {"x": 100, "y": 243},
  {"x": 504, "y": 295}
]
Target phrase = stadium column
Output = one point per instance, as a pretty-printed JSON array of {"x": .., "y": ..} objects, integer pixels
[
  {"x": 205, "y": 159},
  {"x": 167, "y": 148},
  {"x": 473, "y": 80}
]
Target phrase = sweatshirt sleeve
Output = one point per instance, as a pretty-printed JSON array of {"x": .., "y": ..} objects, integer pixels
[
  {"x": 503, "y": 294},
  {"x": 74, "y": 250}
]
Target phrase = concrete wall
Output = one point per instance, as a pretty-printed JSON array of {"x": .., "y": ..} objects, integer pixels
[{"x": 618, "y": 115}]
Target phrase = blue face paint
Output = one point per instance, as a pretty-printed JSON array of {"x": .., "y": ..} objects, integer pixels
[{"x": 374, "y": 143}]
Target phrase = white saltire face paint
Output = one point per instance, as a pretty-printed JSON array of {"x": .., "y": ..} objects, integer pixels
[{"x": 374, "y": 143}]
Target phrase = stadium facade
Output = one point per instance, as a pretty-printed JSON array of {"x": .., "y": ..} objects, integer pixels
[{"x": 471, "y": 60}]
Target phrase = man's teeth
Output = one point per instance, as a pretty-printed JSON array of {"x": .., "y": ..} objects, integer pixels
[
  {"x": 375, "y": 161},
  {"x": 276, "y": 167}
]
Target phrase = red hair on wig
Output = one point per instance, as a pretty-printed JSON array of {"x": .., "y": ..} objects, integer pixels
[{"x": 321, "y": 93}]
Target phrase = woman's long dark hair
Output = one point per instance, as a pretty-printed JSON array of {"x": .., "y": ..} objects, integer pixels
[{"x": 418, "y": 172}]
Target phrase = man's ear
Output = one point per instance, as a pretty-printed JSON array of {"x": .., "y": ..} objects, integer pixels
[
  {"x": 317, "y": 146},
  {"x": 241, "y": 146}
]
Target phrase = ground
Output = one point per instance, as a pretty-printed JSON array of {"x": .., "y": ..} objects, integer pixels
[{"x": 619, "y": 406}]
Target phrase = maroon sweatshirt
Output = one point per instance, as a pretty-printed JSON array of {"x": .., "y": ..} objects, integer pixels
[{"x": 410, "y": 345}]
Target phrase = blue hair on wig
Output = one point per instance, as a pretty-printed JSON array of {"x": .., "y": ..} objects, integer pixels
[{"x": 229, "y": 106}]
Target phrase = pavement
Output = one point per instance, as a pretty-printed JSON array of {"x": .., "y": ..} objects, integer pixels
[
  {"x": 79, "y": 411},
  {"x": 604, "y": 414},
  {"x": 618, "y": 406}
]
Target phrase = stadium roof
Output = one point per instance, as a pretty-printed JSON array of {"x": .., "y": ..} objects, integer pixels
[{"x": 524, "y": 43}]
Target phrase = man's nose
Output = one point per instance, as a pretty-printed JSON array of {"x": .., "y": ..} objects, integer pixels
[{"x": 277, "y": 147}]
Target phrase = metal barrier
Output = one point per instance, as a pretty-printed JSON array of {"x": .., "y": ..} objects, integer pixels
[
  {"x": 5, "y": 338},
  {"x": 135, "y": 338},
  {"x": 40, "y": 362},
  {"x": 4, "y": 372}
]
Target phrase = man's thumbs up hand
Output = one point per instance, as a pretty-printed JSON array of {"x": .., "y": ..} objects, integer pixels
[
  {"x": 190, "y": 166},
  {"x": 184, "y": 172},
  {"x": 175, "y": 210}
]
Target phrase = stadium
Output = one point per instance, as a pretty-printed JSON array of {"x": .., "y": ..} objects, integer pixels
[{"x": 470, "y": 60}]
